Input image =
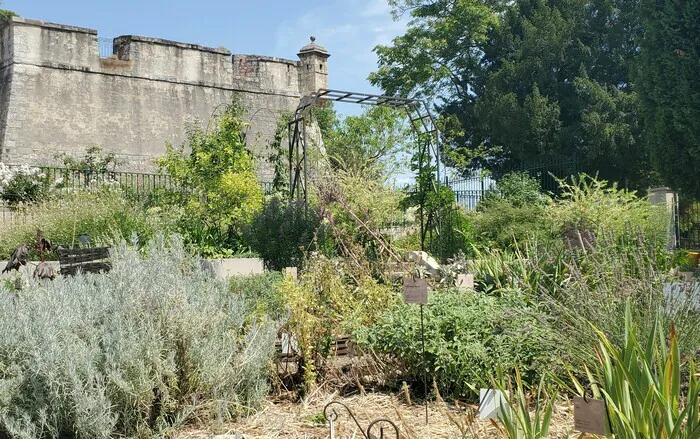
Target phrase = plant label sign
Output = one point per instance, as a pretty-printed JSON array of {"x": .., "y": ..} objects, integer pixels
[
  {"x": 492, "y": 403},
  {"x": 465, "y": 281},
  {"x": 415, "y": 291},
  {"x": 291, "y": 272},
  {"x": 590, "y": 416}
]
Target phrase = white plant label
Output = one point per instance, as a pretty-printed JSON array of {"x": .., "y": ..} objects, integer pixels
[
  {"x": 492, "y": 403},
  {"x": 291, "y": 272},
  {"x": 465, "y": 281}
]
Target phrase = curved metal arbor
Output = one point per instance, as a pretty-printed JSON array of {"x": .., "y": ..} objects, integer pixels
[{"x": 417, "y": 110}]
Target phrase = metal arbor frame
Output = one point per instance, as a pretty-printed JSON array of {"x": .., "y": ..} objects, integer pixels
[{"x": 417, "y": 110}]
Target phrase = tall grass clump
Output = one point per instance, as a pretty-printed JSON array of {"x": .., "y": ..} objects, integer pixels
[
  {"x": 650, "y": 390},
  {"x": 101, "y": 214},
  {"x": 138, "y": 351}
]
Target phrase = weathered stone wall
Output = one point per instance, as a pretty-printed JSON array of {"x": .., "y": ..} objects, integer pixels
[{"x": 59, "y": 96}]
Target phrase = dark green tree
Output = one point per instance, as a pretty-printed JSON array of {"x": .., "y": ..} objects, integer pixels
[
  {"x": 525, "y": 81},
  {"x": 669, "y": 71}
]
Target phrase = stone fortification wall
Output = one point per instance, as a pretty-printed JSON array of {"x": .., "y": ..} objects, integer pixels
[{"x": 59, "y": 96}]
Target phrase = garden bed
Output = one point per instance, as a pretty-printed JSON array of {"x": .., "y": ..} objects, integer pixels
[{"x": 279, "y": 418}]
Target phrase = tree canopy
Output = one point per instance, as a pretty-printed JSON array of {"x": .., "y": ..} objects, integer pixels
[{"x": 539, "y": 80}]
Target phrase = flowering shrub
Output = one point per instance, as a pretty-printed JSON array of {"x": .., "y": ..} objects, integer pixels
[
  {"x": 22, "y": 184},
  {"x": 136, "y": 352}
]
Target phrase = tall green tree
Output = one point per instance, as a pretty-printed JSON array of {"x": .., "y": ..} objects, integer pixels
[
  {"x": 526, "y": 80},
  {"x": 669, "y": 71}
]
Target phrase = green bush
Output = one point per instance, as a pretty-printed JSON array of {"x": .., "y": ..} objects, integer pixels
[
  {"x": 223, "y": 191},
  {"x": 282, "y": 232},
  {"x": 588, "y": 203},
  {"x": 260, "y": 294},
  {"x": 102, "y": 214},
  {"x": 503, "y": 225},
  {"x": 141, "y": 350},
  {"x": 22, "y": 185},
  {"x": 467, "y": 336},
  {"x": 518, "y": 188},
  {"x": 513, "y": 213}
]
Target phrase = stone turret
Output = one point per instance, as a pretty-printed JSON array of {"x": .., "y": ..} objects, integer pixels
[{"x": 313, "y": 73}]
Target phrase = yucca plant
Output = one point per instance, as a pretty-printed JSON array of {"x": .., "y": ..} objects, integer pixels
[
  {"x": 520, "y": 419},
  {"x": 644, "y": 386}
]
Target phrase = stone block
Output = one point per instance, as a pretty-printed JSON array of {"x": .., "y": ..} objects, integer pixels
[{"x": 425, "y": 260}]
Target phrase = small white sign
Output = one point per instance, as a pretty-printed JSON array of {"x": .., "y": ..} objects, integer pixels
[
  {"x": 415, "y": 291},
  {"x": 590, "y": 416},
  {"x": 291, "y": 272},
  {"x": 465, "y": 281},
  {"x": 492, "y": 403}
]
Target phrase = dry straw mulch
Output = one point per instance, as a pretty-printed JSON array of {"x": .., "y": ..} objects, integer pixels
[{"x": 290, "y": 420}]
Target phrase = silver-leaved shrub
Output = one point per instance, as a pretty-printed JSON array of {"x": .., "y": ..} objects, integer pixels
[{"x": 153, "y": 344}]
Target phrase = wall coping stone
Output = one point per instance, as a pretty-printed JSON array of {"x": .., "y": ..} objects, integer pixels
[
  {"x": 267, "y": 58},
  {"x": 49, "y": 25},
  {"x": 164, "y": 42}
]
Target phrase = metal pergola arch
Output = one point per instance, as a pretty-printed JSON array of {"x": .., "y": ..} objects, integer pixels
[{"x": 417, "y": 110}]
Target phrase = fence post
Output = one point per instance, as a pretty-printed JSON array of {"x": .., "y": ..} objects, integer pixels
[{"x": 663, "y": 196}]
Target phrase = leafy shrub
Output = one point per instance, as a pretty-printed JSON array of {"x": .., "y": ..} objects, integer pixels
[
  {"x": 467, "y": 336},
  {"x": 518, "y": 188},
  {"x": 331, "y": 299},
  {"x": 219, "y": 175},
  {"x": 512, "y": 213},
  {"x": 588, "y": 203},
  {"x": 95, "y": 160},
  {"x": 102, "y": 215},
  {"x": 503, "y": 225},
  {"x": 138, "y": 351},
  {"x": 282, "y": 232},
  {"x": 576, "y": 288}
]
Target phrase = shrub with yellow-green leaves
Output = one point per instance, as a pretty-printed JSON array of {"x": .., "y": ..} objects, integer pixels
[
  {"x": 223, "y": 190},
  {"x": 330, "y": 299}
]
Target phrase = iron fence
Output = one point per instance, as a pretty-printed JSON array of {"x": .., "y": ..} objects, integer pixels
[
  {"x": 106, "y": 46},
  {"x": 470, "y": 190},
  {"x": 689, "y": 224},
  {"x": 147, "y": 188}
]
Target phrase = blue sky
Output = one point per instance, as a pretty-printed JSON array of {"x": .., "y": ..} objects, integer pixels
[{"x": 349, "y": 29}]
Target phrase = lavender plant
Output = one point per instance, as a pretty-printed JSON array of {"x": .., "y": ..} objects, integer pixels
[{"x": 141, "y": 350}]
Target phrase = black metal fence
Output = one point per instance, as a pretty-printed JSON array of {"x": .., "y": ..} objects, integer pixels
[
  {"x": 689, "y": 224},
  {"x": 470, "y": 190},
  {"x": 142, "y": 187}
]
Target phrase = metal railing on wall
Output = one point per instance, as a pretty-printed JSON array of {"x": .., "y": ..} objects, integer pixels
[
  {"x": 106, "y": 46},
  {"x": 142, "y": 187}
]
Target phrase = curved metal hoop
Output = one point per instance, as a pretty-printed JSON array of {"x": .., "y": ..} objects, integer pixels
[
  {"x": 331, "y": 414},
  {"x": 378, "y": 423}
]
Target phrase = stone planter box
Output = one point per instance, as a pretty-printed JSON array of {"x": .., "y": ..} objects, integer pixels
[{"x": 225, "y": 268}]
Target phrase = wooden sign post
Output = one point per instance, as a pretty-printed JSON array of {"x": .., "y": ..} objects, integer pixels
[{"x": 416, "y": 291}]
